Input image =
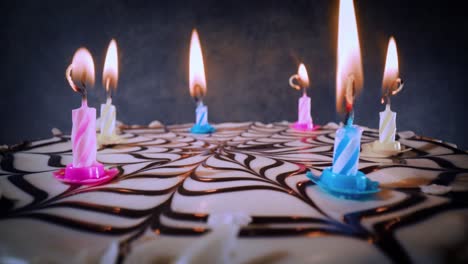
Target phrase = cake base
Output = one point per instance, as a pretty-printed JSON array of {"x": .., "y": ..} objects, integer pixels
[
  {"x": 170, "y": 183},
  {"x": 304, "y": 126},
  {"x": 345, "y": 186},
  {"x": 202, "y": 129},
  {"x": 95, "y": 174}
]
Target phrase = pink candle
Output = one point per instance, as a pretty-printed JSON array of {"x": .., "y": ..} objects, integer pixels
[
  {"x": 304, "y": 119},
  {"x": 84, "y": 118},
  {"x": 84, "y": 136},
  {"x": 304, "y": 116},
  {"x": 84, "y": 169}
]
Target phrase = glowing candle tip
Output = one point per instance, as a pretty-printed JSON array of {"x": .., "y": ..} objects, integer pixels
[
  {"x": 391, "y": 83},
  {"x": 110, "y": 73},
  {"x": 80, "y": 73},
  {"x": 349, "y": 54},
  {"x": 197, "y": 81}
]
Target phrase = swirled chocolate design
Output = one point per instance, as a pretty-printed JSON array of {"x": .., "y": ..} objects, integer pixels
[{"x": 171, "y": 180}]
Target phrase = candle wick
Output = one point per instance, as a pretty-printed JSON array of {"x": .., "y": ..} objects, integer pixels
[
  {"x": 349, "y": 98},
  {"x": 198, "y": 93},
  {"x": 68, "y": 76},
  {"x": 398, "y": 86},
  {"x": 392, "y": 90},
  {"x": 83, "y": 89},
  {"x": 84, "y": 100},
  {"x": 294, "y": 78},
  {"x": 349, "y": 118},
  {"x": 84, "y": 96},
  {"x": 108, "y": 90},
  {"x": 109, "y": 97},
  {"x": 76, "y": 88}
]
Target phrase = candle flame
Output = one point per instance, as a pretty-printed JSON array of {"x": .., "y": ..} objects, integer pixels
[
  {"x": 197, "y": 81},
  {"x": 110, "y": 74},
  {"x": 349, "y": 67},
  {"x": 391, "y": 79},
  {"x": 303, "y": 76},
  {"x": 80, "y": 73}
]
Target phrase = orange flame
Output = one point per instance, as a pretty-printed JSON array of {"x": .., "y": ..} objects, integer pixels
[
  {"x": 110, "y": 74},
  {"x": 81, "y": 70},
  {"x": 303, "y": 76},
  {"x": 349, "y": 65},
  {"x": 197, "y": 81},
  {"x": 391, "y": 66}
]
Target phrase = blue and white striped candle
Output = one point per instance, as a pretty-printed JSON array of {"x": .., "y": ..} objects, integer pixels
[
  {"x": 346, "y": 153},
  {"x": 201, "y": 115}
]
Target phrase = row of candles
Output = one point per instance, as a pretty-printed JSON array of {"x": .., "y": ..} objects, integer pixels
[{"x": 343, "y": 177}]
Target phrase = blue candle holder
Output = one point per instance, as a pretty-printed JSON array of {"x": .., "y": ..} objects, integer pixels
[
  {"x": 202, "y": 129},
  {"x": 202, "y": 126},
  {"x": 343, "y": 178}
]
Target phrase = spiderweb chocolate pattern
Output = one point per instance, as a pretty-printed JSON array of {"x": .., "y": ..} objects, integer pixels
[{"x": 170, "y": 180}]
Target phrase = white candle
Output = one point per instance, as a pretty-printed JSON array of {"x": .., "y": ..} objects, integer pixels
[
  {"x": 110, "y": 77},
  {"x": 391, "y": 85},
  {"x": 219, "y": 245},
  {"x": 108, "y": 115},
  {"x": 387, "y": 127}
]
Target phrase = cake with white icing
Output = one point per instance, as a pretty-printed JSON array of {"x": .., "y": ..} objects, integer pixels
[{"x": 170, "y": 182}]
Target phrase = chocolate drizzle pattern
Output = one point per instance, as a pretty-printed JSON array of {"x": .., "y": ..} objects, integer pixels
[{"x": 171, "y": 180}]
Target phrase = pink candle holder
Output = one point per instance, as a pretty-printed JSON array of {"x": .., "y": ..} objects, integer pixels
[
  {"x": 95, "y": 174},
  {"x": 305, "y": 126}
]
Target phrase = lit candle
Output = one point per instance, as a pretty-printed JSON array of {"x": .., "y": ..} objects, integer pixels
[
  {"x": 391, "y": 85},
  {"x": 108, "y": 112},
  {"x": 304, "y": 121},
  {"x": 84, "y": 169},
  {"x": 84, "y": 118},
  {"x": 197, "y": 85},
  {"x": 343, "y": 178},
  {"x": 348, "y": 138},
  {"x": 349, "y": 82}
]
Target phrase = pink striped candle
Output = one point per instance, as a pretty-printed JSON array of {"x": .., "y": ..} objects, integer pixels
[
  {"x": 84, "y": 136},
  {"x": 304, "y": 116},
  {"x": 304, "y": 119},
  {"x": 85, "y": 169}
]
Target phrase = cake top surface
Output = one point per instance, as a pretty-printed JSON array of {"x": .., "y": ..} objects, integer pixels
[{"x": 170, "y": 181}]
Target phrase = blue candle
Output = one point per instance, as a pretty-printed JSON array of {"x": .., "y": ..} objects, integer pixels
[
  {"x": 202, "y": 115},
  {"x": 201, "y": 123},
  {"x": 197, "y": 86},
  {"x": 347, "y": 146},
  {"x": 343, "y": 178}
]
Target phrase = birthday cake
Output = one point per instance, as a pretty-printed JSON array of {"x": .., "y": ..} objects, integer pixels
[{"x": 170, "y": 181}]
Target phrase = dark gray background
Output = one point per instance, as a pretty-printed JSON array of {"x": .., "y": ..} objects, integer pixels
[{"x": 250, "y": 49}]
